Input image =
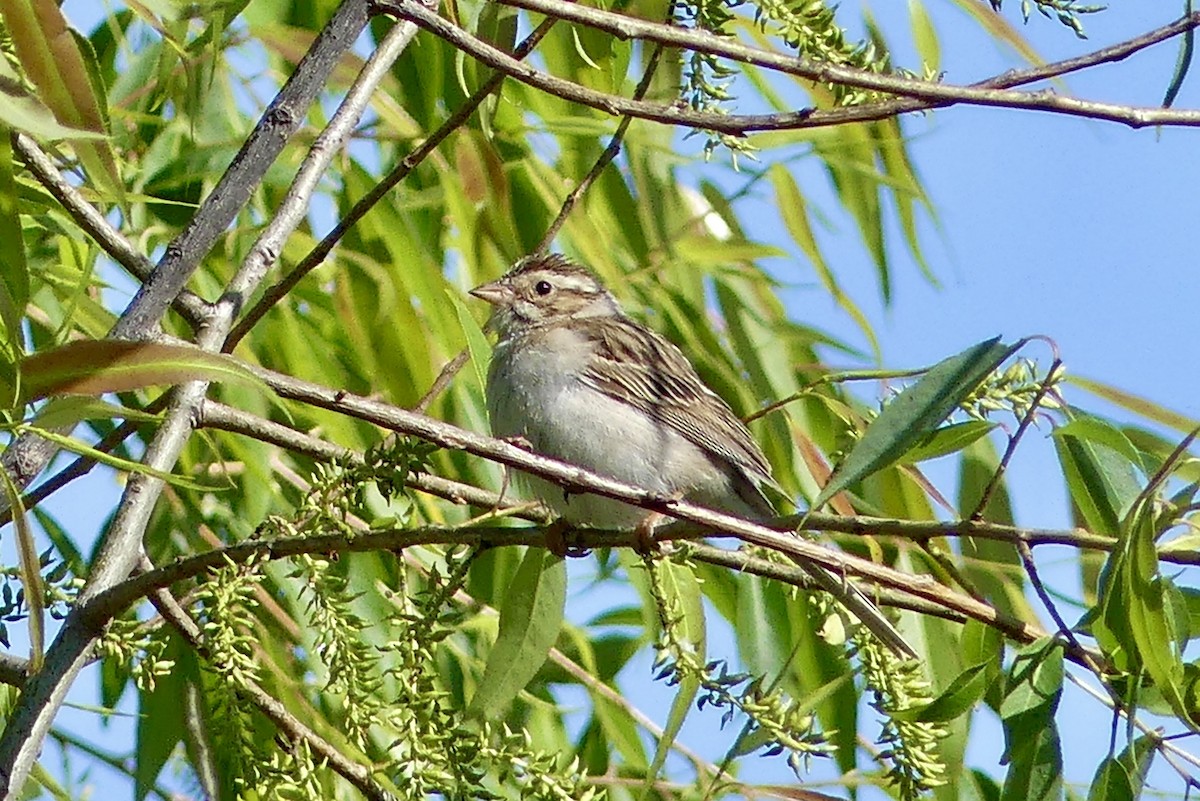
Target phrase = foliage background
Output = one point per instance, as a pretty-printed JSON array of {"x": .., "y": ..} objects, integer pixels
[{"x": 1057, "y": 236}]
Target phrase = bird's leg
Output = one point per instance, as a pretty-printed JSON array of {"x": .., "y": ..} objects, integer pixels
[
  {"x": 556, "y": 540},
  {"x": 643, "y": 532}
]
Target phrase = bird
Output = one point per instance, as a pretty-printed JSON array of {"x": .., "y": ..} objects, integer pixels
[{"x": 576, "y": 378}]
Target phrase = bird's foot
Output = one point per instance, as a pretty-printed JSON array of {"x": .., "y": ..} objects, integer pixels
[
  {"x": 643, "y": 534},
  {"x": 556, "y": 540}
]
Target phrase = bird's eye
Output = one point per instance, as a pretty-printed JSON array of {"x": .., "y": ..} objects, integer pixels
[{"x": 543, "y": 288}]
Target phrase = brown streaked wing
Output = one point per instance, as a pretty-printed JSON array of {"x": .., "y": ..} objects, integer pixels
[{"x": 637, "y": 366}]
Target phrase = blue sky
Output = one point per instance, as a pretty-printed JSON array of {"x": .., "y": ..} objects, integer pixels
[{"x": 1073, "y": 229}]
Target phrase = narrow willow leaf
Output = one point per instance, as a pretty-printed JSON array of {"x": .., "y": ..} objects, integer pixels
[
  {"x": 999, "y": 28},
  {"x": 1136, "y": 404},
  {"x": 1152, "y": 634},
  {"x": 1102, "y": 482},
  {"x": 1035, "y": 680},
  {"x": 24, "y": 112},
  {"x": 683, "y": 593},
  {"x": 948, "y": 439},
  {"x": 530, "y": 620},
  {"x": 477, "y": 344},
  {"x": 14, "y": 273},
  {"x": 925, "y": 36},
  {"x": 901, "y": 178},
  {"x": 581, "y": 51},
  {"x": 1183, "y": 62},
  {"x": 1111, "y": 783},
  {"x": 1094, "y": 429},
  {"x": 791, "y": 206},
  {"x": 1035, "y": 764},
  {"x": 66, "y": 411},
  {"x": 60, "y": 538},
  {"x": 31, "y": 574},
  {"x": 1034, "y": 750},
  {"x": 52, "y": 58},
  {"x": 94, "y": 367},
  {"x": 916, "y": 412},
  {"x": 127, "y": 465},
  {"x": 957, "y": 699},
  {"x": 160, "y": 721}
]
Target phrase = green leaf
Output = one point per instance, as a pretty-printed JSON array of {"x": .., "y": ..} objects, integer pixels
[
  {"x": 94, "y": 367},
  {"x": 1035, "y": 764},
  {"x": 127, "y": 465},
  {"x": 1093, "y": 429},
  {"x": 1111, "y": 783},
  {"x": 1183, "y": 62},
  {"x": 66, "y": 411},
  {"x": 25, "y": 112},
  {"x": 924, "y": 35},
  {"x": 1035, "y": 679},
  {"x": 982, "y": 644},
  {"x": 53, "y": 59},
  {"x": 1034, "y": 751},
  {"x": 31, "y": 574},
  {"x": 62, "y": 542},
  {"x": 14, "y": 271},
  {"x": 1101, "y": 481},
  {"x": 530, "y": 620},
  {"x": 790, "y": 203},
  {"x": 477, "y": 344},
  {"x": 916, "y": 412},
  {"x": 1153, "y": 635},
  {"x": 948, "y": 439},
  {"x": 683, "y": 592},
  {"x": 160, "y": 722},
  {"x": 1136, "y": 404},
  {"x": 957, "y": 699}
]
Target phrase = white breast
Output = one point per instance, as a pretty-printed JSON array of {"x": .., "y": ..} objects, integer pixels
[{"x": 533, "y": 393}]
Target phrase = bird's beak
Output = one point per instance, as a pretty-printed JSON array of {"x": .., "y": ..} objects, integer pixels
[{"x": 496, "y": 293}]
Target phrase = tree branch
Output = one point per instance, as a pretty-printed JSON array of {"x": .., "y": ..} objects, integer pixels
[
  {"x": 929, "y": 93},
  {"x": 576, "y": 479}
]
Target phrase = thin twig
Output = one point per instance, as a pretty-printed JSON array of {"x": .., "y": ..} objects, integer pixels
[
  {"x": 1064, "y": 630},
  {"x": 444, "y": 377},
  {"x": 698, "y": 40},
  {"x": 1164, "y": 744}
]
